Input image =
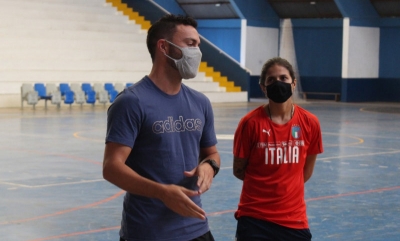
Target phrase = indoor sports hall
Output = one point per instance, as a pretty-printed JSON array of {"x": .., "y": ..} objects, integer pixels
[{"x": 64, "y": 62}]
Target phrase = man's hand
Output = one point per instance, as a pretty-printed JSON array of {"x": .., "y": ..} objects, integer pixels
[
  {"x": 205, "y": 173},
  {"x": 177, "y": 199}
]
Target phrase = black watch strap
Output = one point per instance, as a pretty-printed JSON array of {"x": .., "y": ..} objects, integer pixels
[{"x": 214, "y": 165}]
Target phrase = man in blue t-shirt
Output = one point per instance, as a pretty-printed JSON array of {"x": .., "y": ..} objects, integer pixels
[{"x": 161, "y": 143}]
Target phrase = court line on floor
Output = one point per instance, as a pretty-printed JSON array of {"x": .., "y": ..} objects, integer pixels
[
  {"x": 66, "y": 211},
  {"x": 77, "y": 135},
  {"x": 225, "y": 211},
  {"x": 52, "y": 184},
  {"x": 358, "y": 155}
]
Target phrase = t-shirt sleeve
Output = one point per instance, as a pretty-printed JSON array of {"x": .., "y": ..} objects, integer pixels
[
  {"x": 123, "y": 120},
  {"x": 316, "y": 139},
  {"x": 242, "y": 141},
  {"x": 208, "y": 137}
]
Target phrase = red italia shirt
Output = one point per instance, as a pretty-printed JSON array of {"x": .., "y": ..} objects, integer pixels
[{"x": 273, "y": 186}]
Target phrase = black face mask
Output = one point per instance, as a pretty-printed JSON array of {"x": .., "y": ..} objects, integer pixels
[{"x": 279, "y": 91}]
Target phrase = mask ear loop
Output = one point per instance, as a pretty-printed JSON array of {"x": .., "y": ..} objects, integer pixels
[
  {"x": 294, "y": 87},
  {"x": 165, "y": 48},
  {"x": 176, "y": 46},
  {"x": 264, "y": 87}
]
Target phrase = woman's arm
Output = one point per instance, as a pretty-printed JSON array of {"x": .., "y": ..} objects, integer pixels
[
  {"x": 309, "y": 167},
  {"x": 239, "y": 167}
]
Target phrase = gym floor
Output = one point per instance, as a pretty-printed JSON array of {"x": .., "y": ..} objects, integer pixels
[{"x": 52, "y": 188}]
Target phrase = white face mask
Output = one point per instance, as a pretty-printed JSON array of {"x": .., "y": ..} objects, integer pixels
[{"x": 188, "y": 65}]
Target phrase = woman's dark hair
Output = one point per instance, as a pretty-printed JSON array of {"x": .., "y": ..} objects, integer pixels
[
  {"x": 164, "y": 28},
  {"x": 276, "y": 61}
]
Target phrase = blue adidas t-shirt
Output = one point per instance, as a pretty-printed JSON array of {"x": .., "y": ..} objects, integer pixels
[{"x": 165, "y": 133}]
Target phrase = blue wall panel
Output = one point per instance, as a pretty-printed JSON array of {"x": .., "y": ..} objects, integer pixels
[
  {"x": 361, "y": 12},
  {"x": 388, "y": 89},
  {"x": 360, "y": 90},
  {"x": 254, "y": 87},
  {"x": 225, "y": 34},
  {"x": 321, "y": 84},
  {"x": 171, "y": 6},
  {"x": 258, "y": 13},
  {"x": 389, "y": 56},
  {"x": 318, "y": 45}
]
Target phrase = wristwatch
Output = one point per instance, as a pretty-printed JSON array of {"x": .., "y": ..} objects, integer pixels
[{"x": 214, "y": 165}]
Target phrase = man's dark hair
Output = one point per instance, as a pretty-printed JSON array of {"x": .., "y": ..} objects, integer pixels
[
  {"x": 164, "y": 28},
  {"x": 276, "y": 61}
]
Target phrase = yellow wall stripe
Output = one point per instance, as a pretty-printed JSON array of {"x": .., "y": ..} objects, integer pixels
[
  {"x": 216, "y": 76},
  {"x": 132, "y": 15}
]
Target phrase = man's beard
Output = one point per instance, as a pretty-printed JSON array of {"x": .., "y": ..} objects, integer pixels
[{"x": 173, "y": 53}]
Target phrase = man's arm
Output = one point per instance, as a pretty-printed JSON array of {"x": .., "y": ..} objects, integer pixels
[
  {"x": 239, "y": 167},
  {"x": 309, "y": 167},
  {"x": 209, "y": 153},
  {"x": 118, "y": 173},
  {"x": 204, "y": 171}
]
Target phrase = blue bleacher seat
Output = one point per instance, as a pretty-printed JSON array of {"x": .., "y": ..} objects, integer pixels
[
  {"x": 42, "y": 93},
  {"x": 41, "y": 89},
  {"x": 113, "y": 94},
  {"x": 109, "y": 87},
  {"x": 87, "y": 87},
  {"x": 128, "y": 84},
  {"x": 90, "y": 97},
  {"x": 69, "y": 97},
  {"x": 64, "y": 87}
]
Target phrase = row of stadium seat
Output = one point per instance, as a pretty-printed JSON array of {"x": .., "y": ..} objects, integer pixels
[{"x": 66, "y": 93}]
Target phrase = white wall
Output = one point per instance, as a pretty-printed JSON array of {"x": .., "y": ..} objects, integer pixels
[
  {"x": 67, "y": 41},
  {"x": 261, "y": 45},
  {"x": 363, "y": 52}
]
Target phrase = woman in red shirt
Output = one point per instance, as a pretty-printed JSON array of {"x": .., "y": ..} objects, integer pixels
[{"x": 275, "y": 150}]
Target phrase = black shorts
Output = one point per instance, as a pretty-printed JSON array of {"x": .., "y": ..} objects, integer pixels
[
  {"x": 205, "y": 237},
  {"x": 252, "y": 229}
]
